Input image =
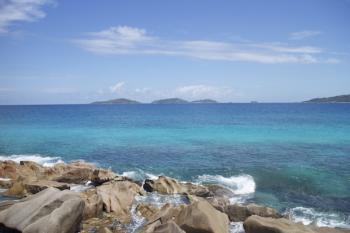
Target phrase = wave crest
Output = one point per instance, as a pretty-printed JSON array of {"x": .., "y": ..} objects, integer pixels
[
  {"x": 239, "y": 185},
  {"x": 45, "y": 161},
  {"x": 322, "y": 219}
]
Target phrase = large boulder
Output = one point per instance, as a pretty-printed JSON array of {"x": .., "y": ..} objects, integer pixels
[
  {"x": 117, "y": 197},
  {"x": 239, "y": 213},
  {"x": 49, "y": 211},
  {"x": 167, "y": 185},
  {"x": 198, "y": 217},
  {"x": 257, "y": 224},
  {"x": 93, "y": 204}
]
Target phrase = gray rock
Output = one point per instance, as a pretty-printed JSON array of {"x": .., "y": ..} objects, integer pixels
[{"x": 49, "y": 211}]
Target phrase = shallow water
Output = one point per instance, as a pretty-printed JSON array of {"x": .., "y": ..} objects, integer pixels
[{"x": 283, "y": 155}]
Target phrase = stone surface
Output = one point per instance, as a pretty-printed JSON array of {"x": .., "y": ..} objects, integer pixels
[
  {"x": 146, "y": 210},
  {"x": 167, "y": 185},
  {"x": 169, "y": 227},
  {"x": 199, "y": 216},
  {"x": 117, "y": 197},
  {"x": 239, "y": 213},
  {"x": 100, "y": 176},
  {"x": 49, "y": 211},
  {"x": 257, "y": 224},
  {"x": 93, "y": 204}
]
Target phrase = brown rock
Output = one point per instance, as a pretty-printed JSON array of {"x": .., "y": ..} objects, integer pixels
[
  {"x": 257, "y": 224},
  {"x": 117, "y": 197},
  {"x": 146, "y": 210},
  {"x": 100, "y": 176},
  {"x": 93, "y": 204},
  {"x": 199, "y": 216},
  {"x": 5, "y": 183},
  {"x": 17, "y": 190},
  {"x": 239, "y": 213},
  {"x": 167, "y": 185},
  {"x": 202, "y": 217},
  {"x": 37, "y": 186},
  {"x": 169, "y": 227}
]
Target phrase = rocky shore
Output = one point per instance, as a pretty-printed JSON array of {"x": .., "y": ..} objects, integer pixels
[{"x": 79, "y": 197}]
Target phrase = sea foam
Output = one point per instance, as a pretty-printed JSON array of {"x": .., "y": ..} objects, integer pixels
[
  {"x": 322, "y": 219},
  {"x": 239, "y": 185},
  {"x": 46, "y": 161},
  {"x": 139, "y": 175}
]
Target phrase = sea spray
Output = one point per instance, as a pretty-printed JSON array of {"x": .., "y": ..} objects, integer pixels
[
  {"x": 46, "y": 161},
  {"x": 322, "y": 219}
]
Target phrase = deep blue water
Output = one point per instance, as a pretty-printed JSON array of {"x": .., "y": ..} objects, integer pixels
[{"x": 297, "y": 154}]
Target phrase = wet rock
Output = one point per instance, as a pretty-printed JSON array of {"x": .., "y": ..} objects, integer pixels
[
  {"x": 146, "y": 210},
  {"x": 239, "y": 213},
  {"x": 117, "y": 197},
  {"x": 49, "y": 211},
  {"x": 93, "y": 204}
]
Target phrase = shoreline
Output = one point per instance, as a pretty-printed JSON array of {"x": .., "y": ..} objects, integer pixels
[{"x": 83, "y": 179}]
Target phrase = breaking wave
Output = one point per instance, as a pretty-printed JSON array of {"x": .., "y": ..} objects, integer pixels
[
  {"x": 46, "y": 161},
  {"x": 139, "y": 175},
  {"x": 239, "y": 185},
  {"x": 322, "y": 219}
]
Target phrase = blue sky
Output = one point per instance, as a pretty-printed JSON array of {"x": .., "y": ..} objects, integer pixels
[{"x": 236, "y": 50}]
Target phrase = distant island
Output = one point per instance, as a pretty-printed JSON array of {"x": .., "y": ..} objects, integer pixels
[
  {"x": 117, "y": 101},
  {"x": 170, "y": 101},
  {"x": 205, "y": 101},
  {"x": 161, "y": 101},
  {"x": 334, "y": 99}
]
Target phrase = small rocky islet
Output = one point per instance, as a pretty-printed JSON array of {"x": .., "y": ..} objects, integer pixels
[{"x": 79, "y": 197}]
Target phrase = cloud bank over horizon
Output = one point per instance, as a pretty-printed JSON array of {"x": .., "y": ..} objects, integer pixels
[{"x": 125, "y": 40}]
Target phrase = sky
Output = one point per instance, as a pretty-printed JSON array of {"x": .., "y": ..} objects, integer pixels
[{"x": 67, "y": 52}]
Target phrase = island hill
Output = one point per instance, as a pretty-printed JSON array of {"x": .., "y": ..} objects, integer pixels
[
  {"x": 161, "y": 101},
  {"x": 334, "y": 99}
]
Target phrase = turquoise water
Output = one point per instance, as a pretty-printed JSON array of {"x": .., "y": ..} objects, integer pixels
[{"x": 295, "y": 157}]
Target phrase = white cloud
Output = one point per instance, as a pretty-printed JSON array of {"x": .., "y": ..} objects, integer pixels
[
  {"x": 12, "y": 11},
  {"x": 117, "y": 87},
  {"x": 127, "y": 40},
  {"x": 203, "y": 91},
  {"x": 303, "y": 34}
]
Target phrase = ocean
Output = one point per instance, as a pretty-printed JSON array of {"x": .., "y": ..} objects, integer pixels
[{"x": 293, "y": 157}]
